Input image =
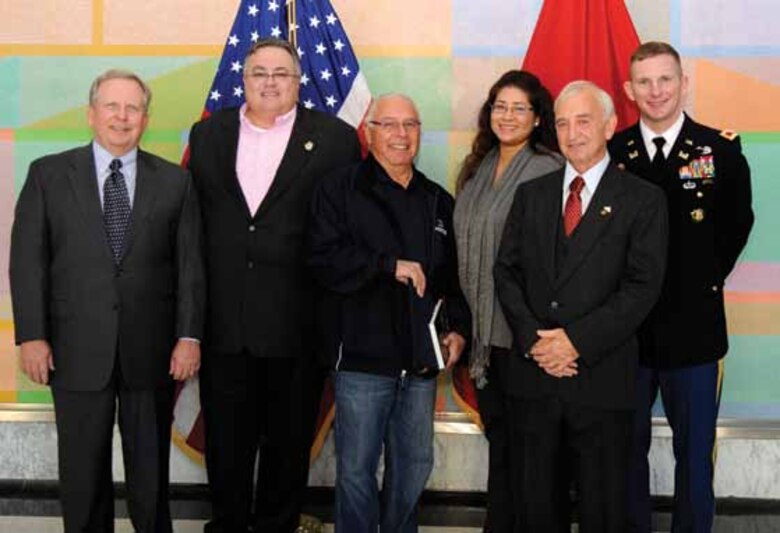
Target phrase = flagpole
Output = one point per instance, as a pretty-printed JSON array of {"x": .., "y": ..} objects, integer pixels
[{"x": 292, "y": 33}]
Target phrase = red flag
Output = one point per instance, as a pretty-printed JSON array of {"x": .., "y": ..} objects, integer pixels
[
  {"x": 574, "y": 40},
  {"x": 585, "y": 40}
]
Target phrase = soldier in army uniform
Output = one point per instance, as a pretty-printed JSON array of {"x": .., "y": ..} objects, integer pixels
[{"x": 684, "y": 340}]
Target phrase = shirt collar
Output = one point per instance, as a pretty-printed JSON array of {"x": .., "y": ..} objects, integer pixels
[
  {"x": 103, "y": 157},
  {"x": 670, "y": 135},
  {"x": 279, "y": 121},
  {"x": 592, "y": 176}
]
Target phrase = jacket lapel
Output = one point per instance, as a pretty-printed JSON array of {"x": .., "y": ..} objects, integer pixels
[
  {"x": 83, "y": 179},
  {"x": 143, "y": 200},
  {"x": 596, "y": 220},
  {"x": 683, "y": 147},
  {"x": 228, "y": 151},
  {"x": 552, "y": 210},
  {"x": 302, "y": 145}
]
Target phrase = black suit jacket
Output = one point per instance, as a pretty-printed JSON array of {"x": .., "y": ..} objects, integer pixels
[
  {"x": 599, "y": 294},
  {"x": 710, "y": 218},
  {"x": 260, "y": 293},
  {"x": 67, "y": 290}
]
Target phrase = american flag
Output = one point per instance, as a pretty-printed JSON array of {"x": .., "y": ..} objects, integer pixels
[{"x": 331, "y": 82}]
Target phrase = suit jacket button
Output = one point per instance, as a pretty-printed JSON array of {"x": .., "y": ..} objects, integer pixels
[
  {"x": 250, "y": 265},
  {"x": 554, "y": 305},
  {"x": 714, "y": 288},
  {"x": 252, "y": 228}
]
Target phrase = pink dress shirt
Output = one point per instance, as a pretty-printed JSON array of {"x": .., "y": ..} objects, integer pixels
[{"x": 260, "y": 152}]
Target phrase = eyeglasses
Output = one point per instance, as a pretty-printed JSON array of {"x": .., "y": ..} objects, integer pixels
[
  {"x": 388, "y": 125},
  {"x": 261, "y": 76},
  {"x": 502, "y": 109}
]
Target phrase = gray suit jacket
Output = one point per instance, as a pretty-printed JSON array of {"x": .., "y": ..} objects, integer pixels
[
  {"x": 599, "y": 293},
  {"x": 67, "y": 290}
]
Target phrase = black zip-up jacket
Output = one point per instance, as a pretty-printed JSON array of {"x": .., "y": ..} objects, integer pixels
[{"x": 364, "y": 314}]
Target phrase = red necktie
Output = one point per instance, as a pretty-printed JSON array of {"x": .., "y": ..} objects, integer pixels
[{"x": 572, "y": 212}]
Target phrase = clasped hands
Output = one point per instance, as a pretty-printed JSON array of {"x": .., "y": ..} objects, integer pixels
[{"x": 554, "y": 353}]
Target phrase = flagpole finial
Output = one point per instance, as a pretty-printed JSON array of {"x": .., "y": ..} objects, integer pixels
[{"x": 292, "y": 33}]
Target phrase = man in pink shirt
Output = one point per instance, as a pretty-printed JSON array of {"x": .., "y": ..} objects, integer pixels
[{"x": 254, "y": 168}]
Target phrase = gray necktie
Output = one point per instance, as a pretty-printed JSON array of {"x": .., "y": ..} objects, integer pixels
[{"x": 116, "y": 209}]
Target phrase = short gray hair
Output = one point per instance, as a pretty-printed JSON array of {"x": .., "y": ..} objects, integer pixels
[
  {"x": 275, "y": 43},
  {"x": 576, "y": 87},
  {"x": 386, "y": 96},
  {"x": 119, "y": 74}
]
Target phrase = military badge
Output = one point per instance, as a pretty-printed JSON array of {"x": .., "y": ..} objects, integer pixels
[
  {"x": 683, "y": 155},
  {"x": 689, "y": 142},
  {"x": 685, "y": 173},
  {"x": 697, "y": 215},
  {"x": 633, "y": 155},
  {"x": 308, "y": 146},
  {"x": 689, "y": 185},
  {"x": 630, "y": 143},
  {"x": 606, "y": 211}
]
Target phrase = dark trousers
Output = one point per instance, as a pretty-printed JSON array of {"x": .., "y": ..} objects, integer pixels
[
  {"x": 85, "y": 421},
  {"x": 493, "y": 412},
  {"x": 549, "y": 435},
  {"x": 259, "y": 415},
  {"x": 691, "y": 399}
]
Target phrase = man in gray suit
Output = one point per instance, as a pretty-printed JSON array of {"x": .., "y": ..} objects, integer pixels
[{"x": 108, "y": 292}]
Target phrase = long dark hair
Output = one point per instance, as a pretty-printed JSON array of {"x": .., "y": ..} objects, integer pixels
[{"x": 542, "y": 135}]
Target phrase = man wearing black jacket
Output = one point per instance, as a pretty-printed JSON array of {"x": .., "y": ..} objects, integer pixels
[
  {"x": 254, "y": 169},
  {"x": 383, "y": 250}
]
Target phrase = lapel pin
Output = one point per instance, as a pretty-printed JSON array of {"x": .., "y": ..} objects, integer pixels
[
  {"x": 683, "y": 155},
  {"x": 308, "y": 146},
  {"x": 633, "y": 155},
  {"x": 606, "y": 211}
]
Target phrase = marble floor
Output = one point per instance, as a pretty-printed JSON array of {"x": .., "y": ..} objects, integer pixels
[{"x": 16, "y": 524}]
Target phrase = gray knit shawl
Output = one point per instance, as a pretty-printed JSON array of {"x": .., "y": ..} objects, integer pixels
[{"x": 481, "y": 210}]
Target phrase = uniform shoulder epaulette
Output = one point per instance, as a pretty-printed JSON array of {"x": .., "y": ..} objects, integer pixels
[{"x": 729, "y": 134}]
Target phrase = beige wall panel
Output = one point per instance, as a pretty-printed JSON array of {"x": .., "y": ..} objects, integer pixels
[
  {"x": 46, "y": 21},
  {"x": 168, "y": 21}
]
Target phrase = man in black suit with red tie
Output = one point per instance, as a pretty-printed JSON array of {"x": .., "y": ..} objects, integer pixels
[
  {"x": 108, "y": 294},
  {"x": 580, "y": 264},
  {"x": 255, "y": 168}
]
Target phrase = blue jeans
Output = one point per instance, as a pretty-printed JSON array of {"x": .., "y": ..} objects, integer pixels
[{"x": 373, "y": 410}]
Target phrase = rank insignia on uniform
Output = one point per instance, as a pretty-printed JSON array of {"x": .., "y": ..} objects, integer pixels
[
  {"x": 633, "y": 155},
  {"x": 697, "y": 215},
  {"x": 685, "y": 173},
  {"x": 606, "y": 211},
  {"x": 683, "y": 155},
  {"x": 689, "y": 142},
  {"x": 689, "y": 185},
  {"x": 308, "y": 146},
  {"x": 729, "y": 134}
]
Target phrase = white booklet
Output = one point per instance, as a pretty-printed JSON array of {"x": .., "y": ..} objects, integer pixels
[{"x": 440, "y": 360}]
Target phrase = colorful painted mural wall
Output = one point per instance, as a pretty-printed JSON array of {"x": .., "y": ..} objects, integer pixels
[{"x": 445, "y": 53}]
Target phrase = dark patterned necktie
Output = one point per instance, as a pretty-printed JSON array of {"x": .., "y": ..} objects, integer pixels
[
  {"x": 116, "y": 209},
  {"x": 572, "y": 211},
  {"x": 659, "y": 159}
]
